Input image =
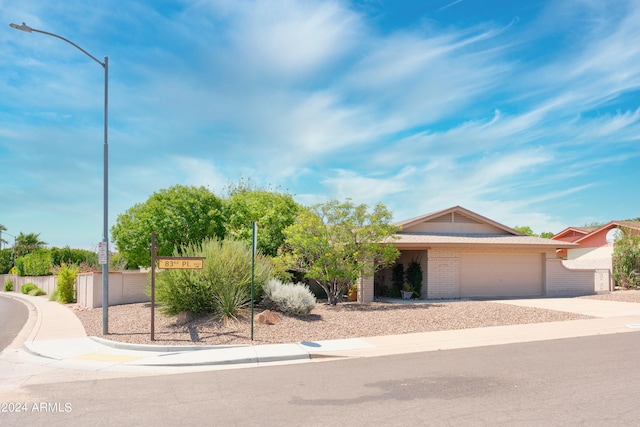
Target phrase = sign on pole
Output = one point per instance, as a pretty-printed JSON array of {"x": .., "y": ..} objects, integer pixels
[
  {"x": 102, "y": 253},
  {"x": 180, "y": 263}
]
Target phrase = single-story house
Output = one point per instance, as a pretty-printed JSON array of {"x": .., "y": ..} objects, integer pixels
[
  {"x": 463, "y": 254},
  {"x": 594, "y": 244}
]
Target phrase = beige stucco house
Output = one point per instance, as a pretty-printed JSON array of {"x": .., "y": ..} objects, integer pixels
[
  {"x": 594, "y": 245},
  {"x": 463, "y": 254}
]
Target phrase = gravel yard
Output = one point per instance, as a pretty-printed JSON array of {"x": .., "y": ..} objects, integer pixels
[{"x": 131, "y": 323}]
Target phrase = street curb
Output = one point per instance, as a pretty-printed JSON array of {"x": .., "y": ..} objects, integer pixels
[
  {"x": 160, "y": 348},
  {"x": 32, "y": 325},
  {"x": 28, "y": 349}
]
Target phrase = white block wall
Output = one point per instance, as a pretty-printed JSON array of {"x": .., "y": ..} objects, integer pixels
[
  {"x": 124, "y": 288},
  {"x": 564, "y": 281},
  {"x": 443, "y": 274}
]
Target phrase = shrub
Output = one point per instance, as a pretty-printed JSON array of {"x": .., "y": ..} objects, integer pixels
[
  {"x": 8, "y": 285},
  {"x": 66, "y": 283},
  {"x": 28, "y": 287},
  {"x": 626, "y": 260},
  {"x": 37, "y": 263},
  {"x": 19, "y": 267},
  {"x": 414, "y": 276},
  {"x": 37, "y": 292},
  {"x": 117, "y": 262},
  {"x": 296, "y": 299},
  {"x": 74, "y": 256},
  {"x": 397, "y": 277},
  {"x": 222, "y": 287},
  {"x": 6, "y": 260}
]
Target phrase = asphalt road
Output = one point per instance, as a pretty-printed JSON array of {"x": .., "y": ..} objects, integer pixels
[
  {"x": 580, "y": 381},
  {"x": 13, "y": 316}
]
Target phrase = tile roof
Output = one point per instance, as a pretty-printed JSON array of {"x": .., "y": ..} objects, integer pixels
[
  {"x": 630, "y": 224},
  {"x": 431, "y": 239}
]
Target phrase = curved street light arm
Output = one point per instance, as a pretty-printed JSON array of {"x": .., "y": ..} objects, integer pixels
[{"x": 24, "y": 27}]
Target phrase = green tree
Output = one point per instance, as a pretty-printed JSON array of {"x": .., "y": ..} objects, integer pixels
[
  {"x": 180, "y": 216},
  {"x": 68, "y": 255},
  {"x": 6, "y": 260},
  {"x": 336, "y": 243},
  {"x": 27, "y": 243},
  {"x": 594, "y": 224},
  {"x": 525, "y": 229},
  {"x": 273, "y": 211},
  {"x": 626, "y": 259}
]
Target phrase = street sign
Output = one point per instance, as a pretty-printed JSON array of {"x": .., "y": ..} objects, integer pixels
[
  {"x": 180, "y": 263},
  {"x": 102, "y": 253}
]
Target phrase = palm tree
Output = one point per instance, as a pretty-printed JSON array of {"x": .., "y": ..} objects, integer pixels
[{"x": 27, "y": 243}]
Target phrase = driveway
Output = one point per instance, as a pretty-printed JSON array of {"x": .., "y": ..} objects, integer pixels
[{"x": 585, "y": 306}]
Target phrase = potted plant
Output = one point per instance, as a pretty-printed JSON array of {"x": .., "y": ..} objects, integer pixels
[
  {"x": 352, "y": 292},
  {"x": 407, "y": 291}
]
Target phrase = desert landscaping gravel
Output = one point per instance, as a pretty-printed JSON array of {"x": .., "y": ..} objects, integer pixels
[{"x": 131, "y": 322}]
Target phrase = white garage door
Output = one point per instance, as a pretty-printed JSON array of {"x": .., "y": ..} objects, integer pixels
[{"x": 500, "y": 275}]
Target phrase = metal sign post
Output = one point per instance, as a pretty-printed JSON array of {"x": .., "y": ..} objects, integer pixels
[
  {"x": 153, "y": 284},
  {"x": 254, "y": 244}
]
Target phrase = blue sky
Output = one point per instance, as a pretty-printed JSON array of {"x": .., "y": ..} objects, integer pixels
[{"x": 525, "y": 112}]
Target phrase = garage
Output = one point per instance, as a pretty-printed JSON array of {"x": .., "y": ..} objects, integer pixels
[
  {"x": 501, "y": 274},
  {"x": 463, "y": 254}
]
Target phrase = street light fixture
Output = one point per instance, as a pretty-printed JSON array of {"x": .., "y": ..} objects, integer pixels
[{"x": 105, "y": 232}]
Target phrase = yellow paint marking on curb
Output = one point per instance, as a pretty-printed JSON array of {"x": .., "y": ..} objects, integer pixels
[{"x": 104, "y": 357}]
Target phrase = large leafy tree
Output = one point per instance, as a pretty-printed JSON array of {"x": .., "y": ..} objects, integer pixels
[
  {"x": 335, "y": 243},
  {"x": 272, "y": 210},
  {"x": 180, "y": 216}
]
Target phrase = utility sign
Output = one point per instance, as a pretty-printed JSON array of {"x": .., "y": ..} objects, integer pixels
[
  {"x": 102, "y": 253},
  {"x": 180, "y": 263}
]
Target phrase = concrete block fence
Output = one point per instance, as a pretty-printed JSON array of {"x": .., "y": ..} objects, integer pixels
[{"x": 125, "y": 287}]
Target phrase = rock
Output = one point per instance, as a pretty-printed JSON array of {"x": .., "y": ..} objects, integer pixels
[
  {"x": 185, "y": 317},
  {"x": 269, "y": 317}
]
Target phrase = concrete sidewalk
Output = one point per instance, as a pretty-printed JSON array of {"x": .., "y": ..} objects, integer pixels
[{"x": 57, "y": 338}]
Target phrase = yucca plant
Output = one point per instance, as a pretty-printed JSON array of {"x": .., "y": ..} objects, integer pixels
[{"x": 222, "y": 287}]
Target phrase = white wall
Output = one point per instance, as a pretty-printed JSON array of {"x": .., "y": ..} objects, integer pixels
[
  {"x": 603, "y": 252},
  {"x": 125, "y": 287}
]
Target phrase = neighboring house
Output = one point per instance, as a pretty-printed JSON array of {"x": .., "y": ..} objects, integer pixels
[
  {"x": 594, "y": 244},
  {"x": 463, "y": 254}
]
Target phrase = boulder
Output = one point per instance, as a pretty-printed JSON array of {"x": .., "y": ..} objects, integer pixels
[
  {"x": 185, "y": 317},
  {"x": 269, "y": 317}
]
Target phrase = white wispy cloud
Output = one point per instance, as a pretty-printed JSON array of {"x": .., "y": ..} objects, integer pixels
[{"x": 507, "y": 117}]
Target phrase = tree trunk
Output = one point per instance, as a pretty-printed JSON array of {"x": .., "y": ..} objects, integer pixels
[{"x": 333, "y": 299}]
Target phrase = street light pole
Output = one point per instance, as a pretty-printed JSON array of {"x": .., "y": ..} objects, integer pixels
[{"x": 105, "y": 231}]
